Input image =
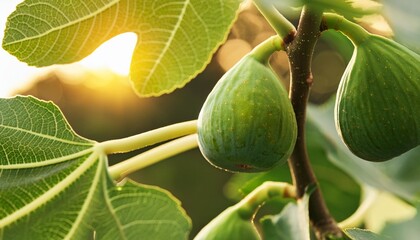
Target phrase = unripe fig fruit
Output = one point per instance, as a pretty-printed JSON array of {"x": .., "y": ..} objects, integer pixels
[
  {"x": 247, "y": 123},
  {"x": 378, "y": 102},
  {"x": 229, "y": 225}
]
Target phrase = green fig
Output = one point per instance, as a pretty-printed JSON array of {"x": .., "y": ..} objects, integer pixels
[
  {"x": 229, "y": 225},
  {"x": 378, "y": 102},
  {"x": 247, "y": 123}
]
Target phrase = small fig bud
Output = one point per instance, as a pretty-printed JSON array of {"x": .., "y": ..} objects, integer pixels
[
  {"x": 247, "y": 123},
  {"x": 378, "y": 102}
]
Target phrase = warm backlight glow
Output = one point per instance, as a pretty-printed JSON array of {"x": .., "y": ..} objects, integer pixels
[{"x": 114, "y": 55}]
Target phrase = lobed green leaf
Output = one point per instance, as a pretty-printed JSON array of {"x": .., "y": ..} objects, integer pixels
[
  {"x": 54, "y": 184},
  {"x": 175, "y": 38},
  {"x": 404, "y": 230},
  {"x": 350, "y": 9},
  {"x": 291, "y": 224},
  {"x": 363, "y": 234}
]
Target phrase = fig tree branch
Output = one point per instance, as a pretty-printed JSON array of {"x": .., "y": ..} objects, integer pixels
[{"x": 300, "y": 52}]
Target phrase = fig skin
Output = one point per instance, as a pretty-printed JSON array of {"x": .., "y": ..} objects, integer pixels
[
  {"x": 247, "y": 123},
  {"x": 378, "y": 102}
]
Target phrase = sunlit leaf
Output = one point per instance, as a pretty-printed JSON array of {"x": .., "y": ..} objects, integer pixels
[
  {"x": 348, "y": 8},
  {"x": 291, "y": 224},
  {"x": 175, "y": 38},
  {"x": 398, "y": 176},
  {"x": 387, "y": 208},
  {"x": 378, "y": 24},
  {"x": 363, "y": 234},
  {"x": 135, "y": 211},
  {"x": 54, "y": 184},
  {"x": 405, "y": 230}
]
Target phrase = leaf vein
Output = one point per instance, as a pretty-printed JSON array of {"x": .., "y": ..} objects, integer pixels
[
  {"x": 68, "y": 24},
  {"x": 47, "y": 161},
  {"x": 54, "y": 138},
  {"x": 113, "y": 212},
  {"x": 167, "y": 44},
  {"x": 87, "y": 201},
  {"x": 50, "y": 194}
]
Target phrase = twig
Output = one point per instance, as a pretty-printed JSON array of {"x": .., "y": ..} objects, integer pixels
[{"x": 300, "y": 53}]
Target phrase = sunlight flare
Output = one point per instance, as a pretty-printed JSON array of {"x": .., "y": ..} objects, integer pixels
[{"x": 115, "y": 54}]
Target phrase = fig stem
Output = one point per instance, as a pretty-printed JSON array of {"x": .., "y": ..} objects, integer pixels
[
  {"x": 369, "y": 196},
  {"x": 353, "y": 31},
  {"x": 300, "y": 52},
  {"x": 263, "y": 51},
  {"x": 249, "y": 205},
  {"x": 148, "y": 138},
  {"x": 283, "y": 27},
  {"x": 152, "y": 156}
]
